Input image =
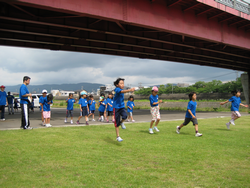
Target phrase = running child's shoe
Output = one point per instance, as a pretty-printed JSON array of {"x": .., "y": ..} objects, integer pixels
[
  {"x": 87, "y": 123},
  {"x": 71, "y": 122},
  {"x": 156, "y": 129},
  {"x": 232, "y": 122},
  {"x": 65, "y": 121},
  {"x": 93, "y": 119},
  {"x": 119, "y": 139},
  {"x": 228, "y": 125},
  {"x": 77, "y": 122},
  {"x": 151, "y": 131},
  {"x": 123, "y": 126},
  {"x": 177, "y": 130},
  {"x": 133, "y": 121},
  {"x": 198, "y": 134}
]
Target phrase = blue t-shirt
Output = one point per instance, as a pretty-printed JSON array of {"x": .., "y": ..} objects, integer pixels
[
  {"x": 235, "y": 103},
  {"x": 118, "y": 98},
  {"x": 3, "y": 96},
  {"x": 70, "y": 104},
  {"x": 41, "y": 101},
  {"x": 111, "y": 102},
  {"x": 10, "y": 99},
  {"x": 102, "y": 106},
  {"x": 83, "y": 102},
  {"x": 191, "y": 106},
  {"x": 44, "y": 101},
  {"x": 92, "y": 106},
  {"x": 23, "y": 91},
  {"x": 130, "y": 104},
  {"x": 153, "y": 99}
]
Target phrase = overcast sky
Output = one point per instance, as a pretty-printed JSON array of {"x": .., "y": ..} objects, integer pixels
[{"x": 59, "y": 67}]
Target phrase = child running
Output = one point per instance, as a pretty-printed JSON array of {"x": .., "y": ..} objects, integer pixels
[
  {"x": 102, "y": 108},
  {"x": 70, "y": 105},
  {"x": 190, "y": 115},
  {"x": 83, "y": 107},
  {"x": 155, "y": 110},
  {"x": 92, "y": 106},
  {"x": 110, "y": 107},
  {"x": 236, "y": 103},
  {"x": 130, "y": 105},
  {"x": 119, "y": 106}
]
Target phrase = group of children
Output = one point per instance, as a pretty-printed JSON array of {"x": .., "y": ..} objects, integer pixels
[{"x": 115, "y": 107}]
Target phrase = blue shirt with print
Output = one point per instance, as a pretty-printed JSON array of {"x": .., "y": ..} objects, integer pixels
[
  {"x": 102, "y": 106},
  {"x": 83, "y": 102},
  {"x": 92, "y": 105},
  {"x": 118, "y": 98},
  {"x": 44, "y": 101},
  {"x": 153, "y": 99},
  {"x": 191, "y": 106},
  {"x": 235, "y": 103},
  {"x": 110, "y": 101},
  {"x": 23, "y": 91},
  {"x": 130, "y": 104},
  {"x": 70, "y": 104}
]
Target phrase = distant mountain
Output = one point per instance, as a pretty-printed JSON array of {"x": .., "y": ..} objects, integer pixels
[{"x": 68, "y": 87}]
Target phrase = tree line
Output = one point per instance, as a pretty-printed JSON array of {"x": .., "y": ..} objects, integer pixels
[{"x": 215, "y": 86}]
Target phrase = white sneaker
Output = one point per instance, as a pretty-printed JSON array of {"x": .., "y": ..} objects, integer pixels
[
  {"x": 133, "y": 121},
  {"x": 119, "y": 139},
  {"x": 232, "y": 122},
  {"x": 156, "y": 129},
  {"x": 47, "y": 125},
  {"x": 128, "y": 120},
  {"x": 50, "y": 125},
  {"x": 151, "y": 131},
  {"x": 71, "y": 122},
  {"x": 123, "y": 126},
  {"x": 177, "y": 130},
  {"x": 228, "y": 125},
  {"x": 30, "y": 127},
  {"x": 198, "y": 134},
  {"x": 65, "y": 121},
  {"x": 93, "y": 119}
]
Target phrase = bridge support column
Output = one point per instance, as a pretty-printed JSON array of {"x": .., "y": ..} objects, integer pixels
[{"x": 245, "y": 80}]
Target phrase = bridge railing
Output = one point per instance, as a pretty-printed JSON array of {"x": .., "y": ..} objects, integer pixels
[{"x": 243, "y": 7}]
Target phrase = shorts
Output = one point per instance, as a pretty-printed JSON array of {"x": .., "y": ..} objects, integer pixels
[
  {"x": 130, "y": 114},
  {"x": 235, "y": 114},
  {"x": 46, "y": 114},
  {"x": 117, "y": 113},
  {"x": 101, "y": 113},
  {"x": 187, "y": 120},
  {"x": 91, "y": 111},
  {"x": 155, "y": 113},
  {"x": 69, "y": 113},
  {"x": 84, "y": 111},
  {"x": 110, "y": 113}
]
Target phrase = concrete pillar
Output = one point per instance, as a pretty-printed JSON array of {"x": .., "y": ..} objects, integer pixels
[{"x": 245, "y": 80}]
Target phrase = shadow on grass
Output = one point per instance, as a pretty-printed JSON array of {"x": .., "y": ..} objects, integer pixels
[
  {"x": 223, "y": 129},
  {"x": 111, "y": 141}
]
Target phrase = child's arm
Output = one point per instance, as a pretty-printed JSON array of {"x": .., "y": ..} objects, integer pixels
[
  {"x": 160, "y": 101},
  {"x": 129, "y": 107},
  {"x": 128, "y": 90},
  {"x": 191, "y": 113},
  {"x": 224, "y": 102},
  {"x": 80, "y": 107},
  {"x": 243, "y": 105},
  {"x": 67, "y": 100}
]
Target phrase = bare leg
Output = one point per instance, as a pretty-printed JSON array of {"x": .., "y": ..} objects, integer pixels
[
  {"x": 157, "y": 121},
  {"x": 151, "y": 124},
  {"x": 117, "y": 131}
]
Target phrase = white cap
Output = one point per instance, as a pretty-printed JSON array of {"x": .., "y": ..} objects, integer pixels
[{"x": 44, "y": 91}]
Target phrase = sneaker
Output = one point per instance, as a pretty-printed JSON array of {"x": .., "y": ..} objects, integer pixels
[
  {"x": 99, "y": 119},
  {"x": 156, "y": 129},
  {"x": 50, "y": 125},
  {"x": 47, "y": 125},
  {"x": 177, "y": 130},
  {"x": 71, "y": 122},
  {"x": 133, "y": 121},
  {"x": 65, "y": 121},
  {"x": 119, "y": 139},
  {"x": 228, "y": 125},
  {"x": 29, "y": 128},
  {"x": 151, "y": 131},
  {"x": 113, "y": 121},
  {"x": 128, "y": 120},
  {"x": 232, "y": 122},
  {"x": 3, "y": 119},
  {"x": 107, "y": 121},
  {"x": 77, "y": 122},
  {"x": 87, "y": 123},
  {"x": 198, "y": 134},
  {"x": 93, "y": 119},
  {"x": 123, "y": 126}
]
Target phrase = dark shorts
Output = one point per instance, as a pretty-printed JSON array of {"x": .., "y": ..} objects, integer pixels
[
  {"x": 110, "y": 113},
  {"x": 91, "y": 111},
  {"x": 84, "y": 111},
  {"x": 69, "y": 113},
  {"x": 187, "y": 120},
  {"x": 101, "y": 113},
  {"x": 118, "y": 113}
]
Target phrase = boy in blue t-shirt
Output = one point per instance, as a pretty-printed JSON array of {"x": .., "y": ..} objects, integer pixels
[
  {"x": 70, "y": 105},
  {"x": 45, "y": 108},
  {"x": 130, "y": 105},
  {"x": 92, "y": 106},
  {"x": 83, "y": 107},
  {"x": 3, "y": 102},
  {"x": 110, "y": 107},
  {"x": 190, "y": 114},
  {"x": 119, "y": 106},
  {"x": 102, "y": 108},
  {"x": 236, "y": 103}
]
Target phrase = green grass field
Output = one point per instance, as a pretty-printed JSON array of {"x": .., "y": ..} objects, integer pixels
[{"x": 90, "y": 157}]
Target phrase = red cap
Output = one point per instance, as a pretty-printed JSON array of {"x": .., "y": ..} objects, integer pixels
[{"x": 2, "y": 86}]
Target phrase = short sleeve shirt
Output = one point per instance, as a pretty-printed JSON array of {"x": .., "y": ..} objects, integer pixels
[
  {"x": 83, "y": 102},
  {"x": 3, "y": 96},
  {"x": 70, "y": 104},
  {"x": 131, "y": 105},
  {"x": 102, "y": 106},
  {"x": 10, "y": 99},
  {"x": 23, "y": 91},
  {"x": 191, "y": 106},
  {"x": 118, "y": 98},
  {"x": 235, "y": 103},
  {"x": 153, "y": 99},
  {"x": 46, "y": 106},
  {"x": 92, "y": 106},
  {"x": 110, "y": 101}
]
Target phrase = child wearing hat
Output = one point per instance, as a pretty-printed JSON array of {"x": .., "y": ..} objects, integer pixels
[
  {"x": 155, "y": 110},
  {"x": 83, "y": 107}
]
